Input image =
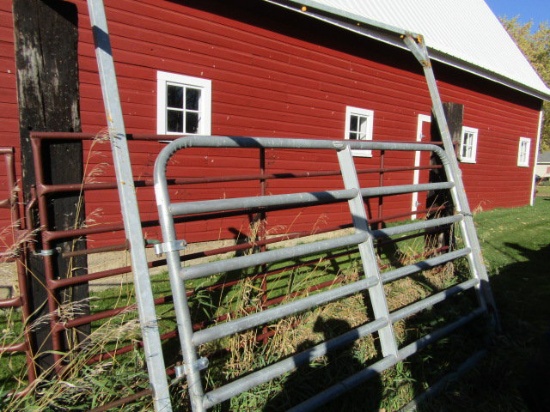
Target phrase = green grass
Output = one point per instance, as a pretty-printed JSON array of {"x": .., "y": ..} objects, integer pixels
[{"x": 516, "y": 246}]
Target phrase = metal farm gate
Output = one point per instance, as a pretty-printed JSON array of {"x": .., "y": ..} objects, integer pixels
[
  {"x": 362, "y": 238},
  {"x": 363, "y": 235}
]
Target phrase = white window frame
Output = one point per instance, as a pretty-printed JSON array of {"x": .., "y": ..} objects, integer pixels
[
  {"x": 470, "y": 143},
  {"x": 524, "y": 151},
  {"x": 205, "y": 103},
  {"x": 366, "y": 134}
]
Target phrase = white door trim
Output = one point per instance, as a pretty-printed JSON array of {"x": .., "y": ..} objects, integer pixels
[{"x": 422, "y": 118}]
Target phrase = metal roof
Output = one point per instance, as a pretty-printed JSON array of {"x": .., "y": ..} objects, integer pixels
[{"x": 462, "y": 33}]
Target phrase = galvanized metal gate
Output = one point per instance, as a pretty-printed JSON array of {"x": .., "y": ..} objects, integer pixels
[{"x": 362, "y": 237}]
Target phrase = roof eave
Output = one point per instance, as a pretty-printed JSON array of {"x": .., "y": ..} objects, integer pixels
[
  {"x": 393, "y": 36},
  {"x": 487, "y": 74}
]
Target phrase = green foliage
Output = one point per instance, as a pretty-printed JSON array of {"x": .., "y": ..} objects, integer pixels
[
  {"x": 81, "y": 386},
  {"x": 536, "y": 47}
]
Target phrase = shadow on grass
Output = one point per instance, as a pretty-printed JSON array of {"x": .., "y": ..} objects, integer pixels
[
  {"x": 523, "y": 291},
  {"x": 515, "y": 374},
  {"x": 311, "y": 378}
]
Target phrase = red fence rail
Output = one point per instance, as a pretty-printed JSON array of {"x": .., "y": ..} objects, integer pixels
[{"x": 46, "y": 192}]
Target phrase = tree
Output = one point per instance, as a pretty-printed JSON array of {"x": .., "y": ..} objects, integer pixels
[{"x": 536, "y": 47}]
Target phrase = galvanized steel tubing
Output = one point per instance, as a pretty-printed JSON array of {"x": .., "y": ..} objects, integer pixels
[{"x": 169, "y": 211}]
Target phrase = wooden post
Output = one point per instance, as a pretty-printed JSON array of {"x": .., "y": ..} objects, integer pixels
[
  {"x": 46, "y": 39},
  {"x": 454, "y": 113},
  {"x": 443, "y": 237}
]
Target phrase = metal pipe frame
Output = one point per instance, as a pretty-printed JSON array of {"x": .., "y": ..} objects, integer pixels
[
  {"x": 133, "y": 226},
  {"x": 130, "y": 211},
  {"x": 363, "y": 239},
  {"x": 46, "y": 191},
  {"x": 49, "y": 190},
  {"x": 21, "y": 301},
  {"x": 418, "y": 48}
]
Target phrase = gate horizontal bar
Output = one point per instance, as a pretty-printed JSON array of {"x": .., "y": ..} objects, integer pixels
[
  {"x": 290, "y": 143},
  {"x": 277, "y": 369},
  {"x": 351, "y": 382},
  {"x": 316, "y": 401},
  {"x": 432, "y": 300},
  {"x": 421, "y": 225},
  {"x": 295, "y": 199},
  {"x": 403, "y": 189},
  {"x": 446, "y": 330},
  {"x": 444, "y": 382},
  {"x": 268, "y": 315},
  {"x": 242, "y": 262},
  {"x": 424, "y": 265}
]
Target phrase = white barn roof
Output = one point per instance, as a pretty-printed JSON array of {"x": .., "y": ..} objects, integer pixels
[{"x": 462, "y": 33}]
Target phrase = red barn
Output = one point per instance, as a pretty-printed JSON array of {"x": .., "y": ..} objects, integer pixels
[{"x": 314, "y": 69}]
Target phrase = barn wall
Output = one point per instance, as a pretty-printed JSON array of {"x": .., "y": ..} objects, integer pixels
[
  {"x": 275, "y": 73},
  {"x": 9, "y": 117},
  {"x": 271, "y": 76},
  {"x": 502, "y": 116}
]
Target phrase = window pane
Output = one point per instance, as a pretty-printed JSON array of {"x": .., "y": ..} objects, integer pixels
[
  {"x": 354, "y": 123},
  {"x": 465, "y": 151},
  {"x": 523, "y": 158},
  {"x": 362, "y": 128},
  {"x": 467, "y": 148},
  {"x": 191, "y": 123},
  {"x": 174, "y": 121},
  {"x": 174, "y": 96},
  {"x": 192, "y": 98}
]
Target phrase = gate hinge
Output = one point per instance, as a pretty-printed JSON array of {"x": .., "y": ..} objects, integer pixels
[{"x": 175, "y": 245}]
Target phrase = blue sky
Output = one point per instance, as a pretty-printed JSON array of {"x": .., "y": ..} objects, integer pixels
[{"x": 527, "y": 10}]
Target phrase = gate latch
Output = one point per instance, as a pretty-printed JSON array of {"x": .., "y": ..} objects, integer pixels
[{"x": 175, "y": 245}]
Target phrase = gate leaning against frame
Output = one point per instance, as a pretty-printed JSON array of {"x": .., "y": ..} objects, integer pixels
[{"x": 362, "y": 237}]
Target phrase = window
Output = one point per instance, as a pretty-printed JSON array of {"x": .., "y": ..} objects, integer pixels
[
  {"x": 183, "y": 104},
  {"x": 359, "y": 125},
  {"x": 524, "y": 151},
  {"x": 468, "y": 145}
]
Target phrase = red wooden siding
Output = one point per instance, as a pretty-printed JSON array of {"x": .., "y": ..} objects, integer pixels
[
  {"x": 502, "y": 116},
  {"x": 276, "y": 73},
  {"x": 9, "y": 117}
]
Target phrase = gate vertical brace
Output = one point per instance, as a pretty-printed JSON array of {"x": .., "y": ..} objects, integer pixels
[
  {"x": 369, "y": 261},
  {"x": 418, "y": 48},
  {"x": 130, "y": 212}
]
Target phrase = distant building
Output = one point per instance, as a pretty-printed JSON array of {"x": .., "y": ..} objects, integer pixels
[{"x": 543, "y": 165}]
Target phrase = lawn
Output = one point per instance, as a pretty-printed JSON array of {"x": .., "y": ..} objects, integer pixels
[
  {"x": 516, "y": 247},
  {"x": 515, "y": 374}
]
